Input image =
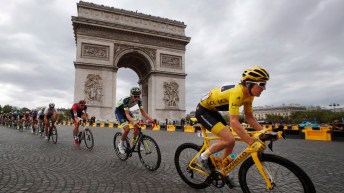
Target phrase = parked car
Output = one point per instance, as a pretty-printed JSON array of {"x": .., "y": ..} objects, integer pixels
[{"x": 309, "y": 124}]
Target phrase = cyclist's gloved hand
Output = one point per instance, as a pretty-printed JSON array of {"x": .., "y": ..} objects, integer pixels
[{"x": 258, "y": 145}]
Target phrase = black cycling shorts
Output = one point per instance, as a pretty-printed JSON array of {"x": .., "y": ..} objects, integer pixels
[
  {"x": 79, "y": 114},
  {"x": 211, "y": 120}
]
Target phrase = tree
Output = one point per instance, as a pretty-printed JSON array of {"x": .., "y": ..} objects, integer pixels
[
  {"x": 321, "y": 116},
  {"x": 7, "y": 108},
  {"x": 275, "y": 118},
  {"x": 24, "y": 109},
  {"x": 67, "y": 115}
]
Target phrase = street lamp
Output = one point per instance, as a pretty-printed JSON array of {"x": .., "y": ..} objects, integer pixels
[{"x": 334, "y": 106}]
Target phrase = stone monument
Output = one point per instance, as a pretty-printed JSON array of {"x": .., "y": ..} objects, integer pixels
[{"x": 108, "y": 38}]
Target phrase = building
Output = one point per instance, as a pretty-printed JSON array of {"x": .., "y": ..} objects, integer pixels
[{"x": 285, "y": 110}]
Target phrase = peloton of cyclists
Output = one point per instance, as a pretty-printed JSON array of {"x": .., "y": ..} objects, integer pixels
[{"x": 78, "y": 110}]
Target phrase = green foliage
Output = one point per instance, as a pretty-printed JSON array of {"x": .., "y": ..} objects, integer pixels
[
  {"x": 66, "y": 116},
  {"x": 24, "y": 109},
  {"x": 275, "y": 118},
  {"x": 7, "y": 108},
  {"x": 321, "y": 116}
]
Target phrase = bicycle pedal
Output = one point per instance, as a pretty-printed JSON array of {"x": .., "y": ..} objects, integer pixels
[{"x": 230, "y": 182}]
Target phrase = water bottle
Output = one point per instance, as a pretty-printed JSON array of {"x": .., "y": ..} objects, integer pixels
[
  {"x": 228, "y": 159},
  {"x": 218, "y": 160}
]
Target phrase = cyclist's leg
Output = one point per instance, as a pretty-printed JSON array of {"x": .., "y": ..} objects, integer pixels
[
  {"x": 76, "y": 126},
  {"x": 46, "y": 124},
  {"x": 226, "y": 142},
  {"x": 125, "y": 132},
  {"x": 41, "y": 123},
  {"x": 124, "y": 122},
  {"x": 214, "y": 122},
  {"x": 53, "y": 119},
  {"x": 32, "y": 123}
]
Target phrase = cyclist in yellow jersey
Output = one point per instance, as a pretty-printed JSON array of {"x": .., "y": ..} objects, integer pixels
[{"x": 231, "y": 98}]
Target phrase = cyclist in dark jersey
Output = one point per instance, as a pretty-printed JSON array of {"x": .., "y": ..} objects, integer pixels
[
  {"x": 124, "y": 116},
  {"x": 50, "y": 112},
  {"x": 33, "y": 115}
]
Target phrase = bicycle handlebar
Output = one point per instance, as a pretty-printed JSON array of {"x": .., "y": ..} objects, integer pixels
[{"x": 269, "y": 134}]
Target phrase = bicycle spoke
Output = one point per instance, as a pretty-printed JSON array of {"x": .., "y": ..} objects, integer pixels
[
  {"x": 283, "y": 174},
  {"x": 116, "y": 140},
  {"x": 88, "y": 138},
  {"x": 150, "y": 156},
  {"x": 183, "y": 156}
]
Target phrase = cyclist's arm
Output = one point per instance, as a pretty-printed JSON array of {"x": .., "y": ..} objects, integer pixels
[
  {"x": 57, "y": 116},
  {"x": 75, "y": 116},
  {"x": 87, "y": 116},
  {"x": 236, "y": 125},
  {"x": 144, "y": 114},
  {"x": 252, "y": 121},
  {"x": 131, "y": 120},
  {"x": 45, "y": 118}
]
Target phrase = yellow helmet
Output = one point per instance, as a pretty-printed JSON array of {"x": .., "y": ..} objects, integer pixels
[{"x": 255, "y": 73}]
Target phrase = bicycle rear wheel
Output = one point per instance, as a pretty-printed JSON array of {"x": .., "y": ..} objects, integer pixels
[
  {"x": 182, "y": 158},
  {"x": 53, "y": 134},
  {"x": 149, "y": 153},
  {"x": 88, "y": 138},
  {"x": 116, "y": 140},
  {"x": 285, "y": 176}
]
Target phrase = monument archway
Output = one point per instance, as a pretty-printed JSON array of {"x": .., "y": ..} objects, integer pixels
[{"x": 108, "y": 38}]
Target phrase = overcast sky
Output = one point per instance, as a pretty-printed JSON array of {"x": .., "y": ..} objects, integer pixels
[{"x": 300, "y": 43}]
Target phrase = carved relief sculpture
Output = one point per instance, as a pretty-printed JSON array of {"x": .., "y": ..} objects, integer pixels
[
  {"x": 95, "y": 51},
  {"x": 93, "y": 88},
  {"x": 170, "y": 61},
  {"x": 171, "y": 94}
]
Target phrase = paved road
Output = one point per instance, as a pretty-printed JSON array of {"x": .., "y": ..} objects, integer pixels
[{"x": 28, "y": 163}]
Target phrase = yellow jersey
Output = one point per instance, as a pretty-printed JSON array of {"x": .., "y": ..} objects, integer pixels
[{"x": 227, "y": 98}]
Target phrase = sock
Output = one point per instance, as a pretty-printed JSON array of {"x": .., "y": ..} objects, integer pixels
[{"x": 205, "y": 155}]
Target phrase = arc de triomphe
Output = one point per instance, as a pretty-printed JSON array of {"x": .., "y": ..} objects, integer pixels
[{"x": 108, "y": 38}]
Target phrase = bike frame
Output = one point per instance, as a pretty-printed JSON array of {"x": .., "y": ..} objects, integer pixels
[
  {"x": 50, "y": 127},
  {"x": 140, "y": 135},
  {"x": 241, "y": 157},
  {"x": 82, "y": 127}
]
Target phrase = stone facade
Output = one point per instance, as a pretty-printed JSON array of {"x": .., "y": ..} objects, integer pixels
[{"x": 108, "y": 39}]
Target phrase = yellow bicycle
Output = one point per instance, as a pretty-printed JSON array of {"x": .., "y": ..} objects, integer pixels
[{"x": 260, "y": 172}]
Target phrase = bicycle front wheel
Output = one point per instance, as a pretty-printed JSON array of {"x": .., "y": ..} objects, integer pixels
[
  {"x": 182, "y": 158},
  {"x": 285, "y": 176},
  {"x": 88, "y": 138},
  {"x": 54, "y": 134},
  {"x": 116, "y": 141},
  {"x": 149, "y": 153}
]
